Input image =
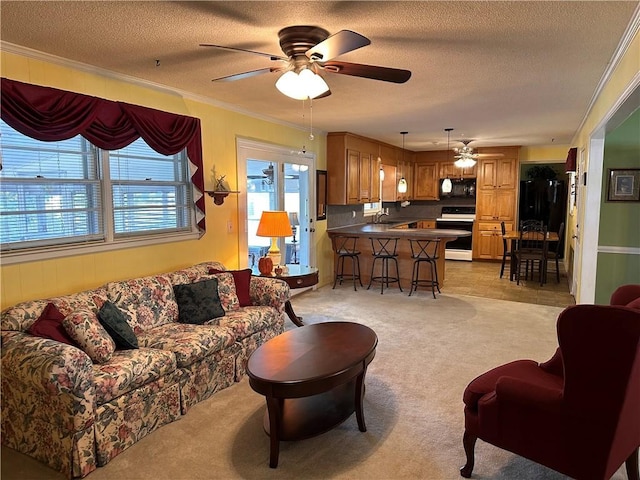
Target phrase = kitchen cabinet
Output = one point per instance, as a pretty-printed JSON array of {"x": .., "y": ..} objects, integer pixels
[
  {"x": 496, "y": 204},
  {"x": 488, "y": 244},
  {"x": 497, "y": 173},
  {"x": 495, "y": 199},
  {"x": 448, "y": 169},
  {"x": 390, "y": 183},
  {"x": 352, "y": 169},
  {"x": 427, "y": 224},
  {"x": 426, "y": 180}
]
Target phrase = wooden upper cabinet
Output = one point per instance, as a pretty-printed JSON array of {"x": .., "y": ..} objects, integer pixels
[
  {"x": 425, "y": 186},
  {"x": 448, "y": 169},
  {"x": 390, "y": 183},
  {"x": 353, "y": 169},
  {"x": 498, "y": 168},
  {"x": 507, "y": 173},
  {"x": 487, "y": 174},
  {"x": 353, "y": 177}
]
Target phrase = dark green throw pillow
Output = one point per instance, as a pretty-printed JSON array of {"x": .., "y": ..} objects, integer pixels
[
  {"x": 198, "y": 302},
  {"x": 115, "y": 323}
]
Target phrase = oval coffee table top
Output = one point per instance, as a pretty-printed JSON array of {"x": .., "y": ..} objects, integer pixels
[{"x": 312, "y": 352}]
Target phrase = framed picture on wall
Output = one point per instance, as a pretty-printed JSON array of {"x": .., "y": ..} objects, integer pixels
[{"x": 624, "y": 185}]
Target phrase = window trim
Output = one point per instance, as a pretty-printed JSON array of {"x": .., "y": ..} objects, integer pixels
[
  {"x": 93, "y": 247},
  {"x": 109, "y": 240}
]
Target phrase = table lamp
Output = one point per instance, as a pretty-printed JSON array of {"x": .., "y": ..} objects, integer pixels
[
  {"x": 274, "y": 224},
  {"x": 294, "y": 222}
]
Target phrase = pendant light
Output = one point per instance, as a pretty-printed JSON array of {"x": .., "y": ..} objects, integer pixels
[
  {"x": 446, "y": 183},
  {"x": 402, "y": 183}
]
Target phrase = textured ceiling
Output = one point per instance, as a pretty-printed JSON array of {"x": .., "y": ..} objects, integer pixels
[{"x": 500, "y": 73}]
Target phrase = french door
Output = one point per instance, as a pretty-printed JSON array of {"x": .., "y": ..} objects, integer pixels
[{"x": 276, "y": 179}]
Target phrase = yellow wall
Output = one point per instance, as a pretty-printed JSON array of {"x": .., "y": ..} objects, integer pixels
[
  {"x": 622, "y": 77},
  {"x": 219, "y": 131},
  {"x": 544, "y": 153}
]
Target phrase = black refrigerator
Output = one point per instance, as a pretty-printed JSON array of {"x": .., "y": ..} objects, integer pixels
[{"x": 544, "y": 200}]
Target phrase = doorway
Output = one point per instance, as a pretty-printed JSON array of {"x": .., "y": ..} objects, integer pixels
[{"x": 276, "y": 178}]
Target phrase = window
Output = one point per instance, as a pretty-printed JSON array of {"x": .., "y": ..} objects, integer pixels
[{"x": 70, "y": 192}]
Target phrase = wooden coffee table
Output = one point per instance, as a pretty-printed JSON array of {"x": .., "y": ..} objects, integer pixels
[{"x": 312, "y": 378}]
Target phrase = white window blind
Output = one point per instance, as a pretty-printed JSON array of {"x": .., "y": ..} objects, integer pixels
[
  {"x": 69, "y": 192},
  {"x": 150, "y": 191},
  {"x": 49, "y": 191}
]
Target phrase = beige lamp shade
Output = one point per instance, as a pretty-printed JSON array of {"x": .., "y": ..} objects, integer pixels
[{"x": 274, "y": 224}]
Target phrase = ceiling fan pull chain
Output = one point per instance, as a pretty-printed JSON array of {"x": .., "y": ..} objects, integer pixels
[{"x": 311, "y": 136}]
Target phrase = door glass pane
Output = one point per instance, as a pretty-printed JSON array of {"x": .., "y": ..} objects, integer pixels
[
  {"x": 262, "y": 182},
  {"x": 296, "y": 202},
  {"x": 279, "y": 184}
]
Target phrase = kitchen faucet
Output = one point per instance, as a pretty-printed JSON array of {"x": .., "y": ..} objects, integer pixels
[{"x": 376, "y": 218}]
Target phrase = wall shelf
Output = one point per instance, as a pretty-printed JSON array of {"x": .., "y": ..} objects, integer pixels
[{"x": 220, "y": 195}]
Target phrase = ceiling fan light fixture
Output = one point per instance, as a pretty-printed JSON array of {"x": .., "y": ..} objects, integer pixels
[
  {"x": 465, "y": 161},
  {"x": 465, "y": 157},
  {"x": 303, "y": 85}
]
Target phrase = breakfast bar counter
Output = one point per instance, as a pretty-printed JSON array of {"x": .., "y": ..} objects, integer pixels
[{"x": 403, "y": 234}]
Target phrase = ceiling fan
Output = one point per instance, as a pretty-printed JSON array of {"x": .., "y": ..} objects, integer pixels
[
  {"x": 312, "y": 49},
  {"x": 466, "y": 152}
]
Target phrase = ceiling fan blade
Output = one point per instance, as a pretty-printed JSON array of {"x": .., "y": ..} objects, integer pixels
[
  {"x": 386, "y": 74},
  {"x": 240, "y": 76},
  {"x": 325, "y": 94},
  {"x": 268, "y": 55},
  {"x": 342, "y": 42}
]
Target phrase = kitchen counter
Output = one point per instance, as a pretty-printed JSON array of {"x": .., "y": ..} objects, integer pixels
[
  {"x": 403, "y": 234},
  {"x": 398, "y": 230}
]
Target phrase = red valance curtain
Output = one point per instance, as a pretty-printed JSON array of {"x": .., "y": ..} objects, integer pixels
[{"x": 49, "y": 114}]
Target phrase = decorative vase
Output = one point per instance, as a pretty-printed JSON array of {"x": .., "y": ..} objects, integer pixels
[{"x": 265, "y": 265}]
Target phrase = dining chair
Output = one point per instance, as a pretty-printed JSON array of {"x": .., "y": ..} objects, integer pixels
[
  {"x": 554, "y": 255},
  {"x": 531, "y": 247},
  {"x": 505, "y": 252}
]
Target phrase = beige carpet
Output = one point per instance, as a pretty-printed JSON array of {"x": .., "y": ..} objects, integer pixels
[{"x": 428, "y": 351}]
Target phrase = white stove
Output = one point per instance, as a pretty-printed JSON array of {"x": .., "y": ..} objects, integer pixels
[{"x": 458, "y": 218}]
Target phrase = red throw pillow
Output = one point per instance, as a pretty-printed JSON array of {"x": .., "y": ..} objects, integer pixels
[
  {"x": 49, "y": 325},
  {"x": 242, "y": 279},
  {"x": 632, "y": 304}
]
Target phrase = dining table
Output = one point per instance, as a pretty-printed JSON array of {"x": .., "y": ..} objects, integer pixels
[{"x": 514, "y": 235}]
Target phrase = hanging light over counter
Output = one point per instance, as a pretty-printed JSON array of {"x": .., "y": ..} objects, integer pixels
[
  {"x": 446, "y": 183},
  {"x": 402, "y": 183}
]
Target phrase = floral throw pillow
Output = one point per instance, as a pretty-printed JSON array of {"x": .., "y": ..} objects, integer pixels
[
  {"x": 198, "y": 302},
  {"x": 227, "y": 291},
  {"x": 242, "y": 280},
  {"x": 85, "y": 329}
]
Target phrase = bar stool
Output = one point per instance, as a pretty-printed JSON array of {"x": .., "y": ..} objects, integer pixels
[
  {"x": 344, "y": 246},
  {"x": 425, "y": 251},
  {"x": 384, "y": 249}
]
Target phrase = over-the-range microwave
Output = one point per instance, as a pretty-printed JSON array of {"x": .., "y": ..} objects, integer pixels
[{"x": 458, "y": 187}]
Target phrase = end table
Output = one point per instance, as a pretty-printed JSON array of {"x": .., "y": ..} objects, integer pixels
[{"x": 298, "y": 276}]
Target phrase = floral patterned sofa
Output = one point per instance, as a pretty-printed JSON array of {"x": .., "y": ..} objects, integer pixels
[{"x": 64, "y": 408}]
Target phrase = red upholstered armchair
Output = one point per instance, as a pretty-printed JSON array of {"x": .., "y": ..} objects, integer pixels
[{"x": 578, "y": 413}]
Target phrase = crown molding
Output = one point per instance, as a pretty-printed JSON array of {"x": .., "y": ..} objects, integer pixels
[
  {"x": 621, "y": 50},
  {"x": 84, "y": 67}
]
